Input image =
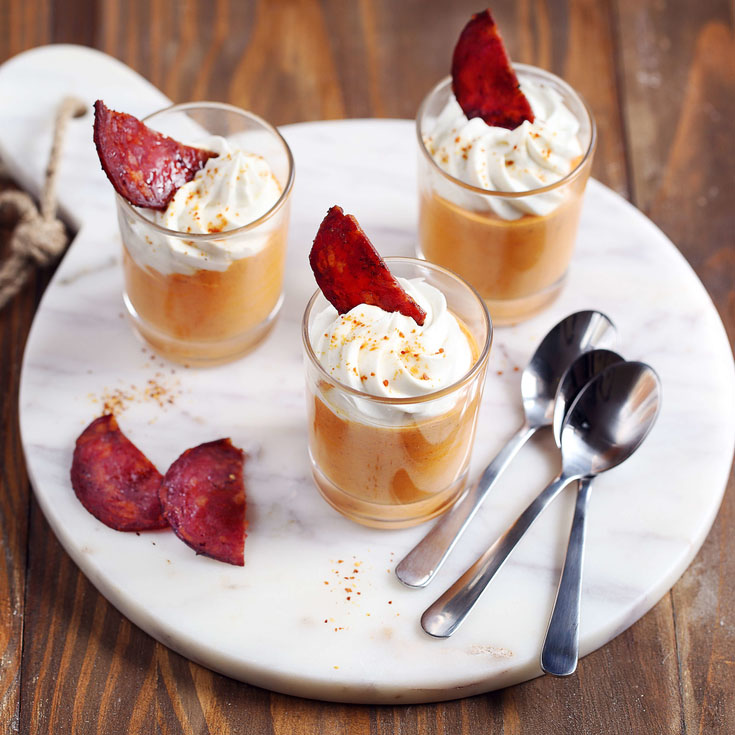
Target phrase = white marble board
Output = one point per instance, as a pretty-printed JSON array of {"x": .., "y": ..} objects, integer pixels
[{"x": 286, "y": 620}]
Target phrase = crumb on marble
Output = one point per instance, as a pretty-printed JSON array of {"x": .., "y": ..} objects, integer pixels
[{"x": 160, "y": 389}]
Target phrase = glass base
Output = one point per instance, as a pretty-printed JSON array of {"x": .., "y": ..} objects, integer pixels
[
  {"x": 505, "y": 312},
  {"x": 201, "y": 353},
  {"x": 379, "y": 515}
]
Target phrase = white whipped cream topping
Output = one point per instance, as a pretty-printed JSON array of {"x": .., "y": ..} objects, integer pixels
[
  {"x": 232, "y": 190},
  {"x": 531, "y": 156},
  {"x": 388, "y": 354}
]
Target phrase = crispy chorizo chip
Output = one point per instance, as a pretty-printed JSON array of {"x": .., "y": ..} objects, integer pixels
[
  {"x": 144, "y": 166},
  {"x": 203, "y": 498},
  {"x": 483, "y": 79},
  {"x": 114, "y": 480},
  {"x": 350, "y": 272}
]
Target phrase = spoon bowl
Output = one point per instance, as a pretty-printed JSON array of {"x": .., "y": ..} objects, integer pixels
[
  {"x": 610, "y": 418},
  {"x": 571, "y": 337},
  {"x": 575, "y": 377}
]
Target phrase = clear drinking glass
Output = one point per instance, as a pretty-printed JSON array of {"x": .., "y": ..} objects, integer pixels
[
  {"x": 198, "y": 309},
  {"x": 518, "y": 266},
  {"x": 396, "y": 462}
]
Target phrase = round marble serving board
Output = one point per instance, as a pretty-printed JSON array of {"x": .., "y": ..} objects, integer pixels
[{"x": 317, "y": 611}]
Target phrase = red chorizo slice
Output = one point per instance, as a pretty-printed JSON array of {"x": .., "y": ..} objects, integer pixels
[
  {"x": 144, "y": 166},
  {"x": 203, "y": 498},
  {"x": 114, "y": 480},
  {"x": 483, "y": 79},
  {"x": 349, "y": 270}
]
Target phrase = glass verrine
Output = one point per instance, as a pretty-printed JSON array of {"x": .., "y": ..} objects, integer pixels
[
  {"x": 208, "y": 297},
  {"x": 395, "y": 462},
  {"x": 514, "y": 247}
]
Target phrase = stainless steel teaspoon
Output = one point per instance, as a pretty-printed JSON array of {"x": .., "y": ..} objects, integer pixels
[
  {"x": 607, "y": 422},
  {"x": 561, "y": 646},
  {"x": 571, "y": 337}
]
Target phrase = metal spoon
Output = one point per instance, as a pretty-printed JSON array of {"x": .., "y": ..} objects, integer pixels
[
  {"x": 606, "y": 423},
  {"x": 561, "y": 647},
  {"x": 571, "y": 337}
]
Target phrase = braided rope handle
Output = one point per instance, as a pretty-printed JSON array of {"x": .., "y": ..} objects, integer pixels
[{"x": 39, "y": 238}]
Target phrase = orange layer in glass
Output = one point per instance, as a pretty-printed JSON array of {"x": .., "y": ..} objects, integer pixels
[
  {"x": 383, "y": 475},
  {"x": 503, "y": 260},
  {"x": 394, "y": 465},
  {"x": 209, "y": 305}
]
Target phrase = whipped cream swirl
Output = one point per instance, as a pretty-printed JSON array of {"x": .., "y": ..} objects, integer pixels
[
  {"x": 533, "y": 155},
  {"x": 232, "y": 190},
  {"x": 388, "y": 354}
]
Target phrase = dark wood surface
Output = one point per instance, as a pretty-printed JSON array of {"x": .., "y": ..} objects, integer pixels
[{"x": 660, "y": 77}]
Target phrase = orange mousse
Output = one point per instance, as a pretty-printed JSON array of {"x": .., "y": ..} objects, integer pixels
[
  {"x": 395, "y": 471},
  {"x": 518, "y": 265},
  {"x": 500, "y": 205},
  {"x": 208, "y": 315},
  {"x": 391, "y": 475},
  {"x": 203, "y": 246}
]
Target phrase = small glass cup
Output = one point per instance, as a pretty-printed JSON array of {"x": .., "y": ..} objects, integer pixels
[
  {"x": 188, "y": 309},
  {"x": 396, "y": 462},
  {"x": 518, "y": 266}
]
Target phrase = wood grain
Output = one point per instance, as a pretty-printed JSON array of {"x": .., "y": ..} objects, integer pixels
[
  {"x": 14, "y": 324},
  {"x": 683, "y": 170},
  {"x": 660, "y": 79}
]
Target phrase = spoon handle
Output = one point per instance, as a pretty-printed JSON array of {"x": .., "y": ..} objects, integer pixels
[
  {"x": 422, "y": 563},
  {"x": 443, "y": 617},
  {"x": 561, "y": 647}
]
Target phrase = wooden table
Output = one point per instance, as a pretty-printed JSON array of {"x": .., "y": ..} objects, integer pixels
[{"x": 660, "y": 77}]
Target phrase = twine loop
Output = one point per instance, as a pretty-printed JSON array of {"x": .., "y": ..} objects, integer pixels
[
  {"x": 39, "y": 237},
  {"x": 39, "y": 240}
]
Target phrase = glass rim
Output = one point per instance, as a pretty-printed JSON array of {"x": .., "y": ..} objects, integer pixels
[
  {"x": 468, "y": 377},
  {"x": 224, "y": 234},
  {"x": 573, "y": 174}
]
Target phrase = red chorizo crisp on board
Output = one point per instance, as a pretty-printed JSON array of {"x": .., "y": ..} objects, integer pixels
[
  {"x": 203, "y": 498},
  {"x": 483, "y": 79},
  {"x": 144, "y": 166},
  {"x": 114, "y": 480},
  {"x": 349, "y": 270}
]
